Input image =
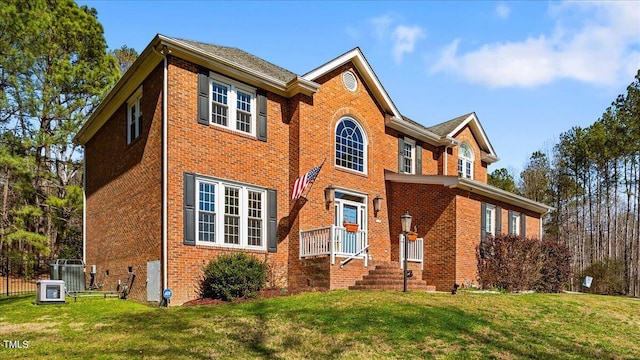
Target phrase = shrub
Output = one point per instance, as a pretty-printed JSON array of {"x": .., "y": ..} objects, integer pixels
[
  {"x": 509, "y": 262},
  {"x": 556, "y": 267},
  {"x": 233, "y": 275},
  {"x": 516, "y": 263},
  {"x": 608, "y": 277}
]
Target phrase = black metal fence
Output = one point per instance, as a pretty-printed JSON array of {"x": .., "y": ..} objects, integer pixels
[{"x": 18, "y": 275}]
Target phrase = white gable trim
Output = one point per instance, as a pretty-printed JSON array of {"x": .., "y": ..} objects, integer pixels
[
  {"x": 365, "y": 70},
  {"x": 477, "y": 130}
]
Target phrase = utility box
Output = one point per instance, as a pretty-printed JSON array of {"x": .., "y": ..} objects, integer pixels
[
  {"x": 50, "y": 292},
  {"x": 71, "y": 271}
]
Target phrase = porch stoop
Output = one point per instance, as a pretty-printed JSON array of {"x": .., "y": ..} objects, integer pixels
[{"x": 389, "y": 276}]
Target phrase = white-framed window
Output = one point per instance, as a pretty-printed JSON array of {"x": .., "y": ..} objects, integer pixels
[
  {"x": 409, "y": 156},
  {"x": 465, "y": 161},
  {"x": 514, "y": 223},
  {"x": 134, "y": 116},
  {"x": 490, "y": 220},
  {"x": 351, "y": 145},
  {"x": 233, "y": 105},
  {"x": 230, "y": 215}
]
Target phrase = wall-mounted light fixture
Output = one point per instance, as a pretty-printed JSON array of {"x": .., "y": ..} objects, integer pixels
[
  {"x": 329, "y": 195},
  {"x": 377, "y": 205}
]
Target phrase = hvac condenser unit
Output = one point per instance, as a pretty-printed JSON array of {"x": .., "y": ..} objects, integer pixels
[{"x": 50, "y": 292}]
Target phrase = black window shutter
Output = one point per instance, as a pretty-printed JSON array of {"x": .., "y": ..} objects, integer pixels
[
  {"x": 203, "y": 96},
  {"x": 523, "y": 224},
  {"x": 498, "y": 220},
  {"x": 400, "y": 155},
  {"x": 510, "y": 222},
  {"x": 189, "y": 214},
  {"x": 272, "y": 222},
  {"x": 418, "y": 159},
  {"x": 262, "y": 115},
  {"x": 483, "y": 229}
]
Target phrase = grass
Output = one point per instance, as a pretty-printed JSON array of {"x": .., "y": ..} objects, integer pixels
[{"x": 337, "y": 324}]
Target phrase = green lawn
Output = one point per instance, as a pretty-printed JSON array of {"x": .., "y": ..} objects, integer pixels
[{"x": 337, "y": 324}]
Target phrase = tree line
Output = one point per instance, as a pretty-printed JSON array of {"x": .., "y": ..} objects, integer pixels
[
  {"x": 592, "y": 178},
  {"x": 54, "y": 70}
]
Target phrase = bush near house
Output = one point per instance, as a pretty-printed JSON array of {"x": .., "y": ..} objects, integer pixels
[
  {"x": 556, "y": 266},
  {"x": 517, "y": 263},
  {"x": 608, "y": 277},
  {"x": 233, "y": 275}
]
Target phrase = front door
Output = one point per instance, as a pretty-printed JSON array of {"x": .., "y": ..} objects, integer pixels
[{"x": 350, "y": 208}]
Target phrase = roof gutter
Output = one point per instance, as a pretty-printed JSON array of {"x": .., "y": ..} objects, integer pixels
[
  {"x": 416, "y": 131},
  {"x": 454, "y": 182},
  {"x": 237, "y": 71}
]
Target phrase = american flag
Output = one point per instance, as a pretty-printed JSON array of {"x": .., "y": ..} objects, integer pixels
[{"x": 302, "y": 182}]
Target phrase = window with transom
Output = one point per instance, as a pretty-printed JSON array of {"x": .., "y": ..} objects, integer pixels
[{"x": 465, "y": 161}]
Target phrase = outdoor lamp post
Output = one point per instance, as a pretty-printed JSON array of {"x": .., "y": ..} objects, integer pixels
[{"x": 406, "y": 227}]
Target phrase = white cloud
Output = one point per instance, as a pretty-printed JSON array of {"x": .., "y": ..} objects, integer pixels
[
  {"x": 503, "y": 11},
  {"x": 603, "y": 49},
  {"x": 405, "y": 38},
  {"x": 381, "y": 25}
]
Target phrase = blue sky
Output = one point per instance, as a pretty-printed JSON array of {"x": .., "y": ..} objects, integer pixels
[{"x": 529, "y": 69}]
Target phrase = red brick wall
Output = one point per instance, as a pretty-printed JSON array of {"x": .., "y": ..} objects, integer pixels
[
  {"x": 316, "y": 133},
  {"x": 223, "y": 154},
  {"x": 124, "y": 198},
  {"x": 467, "y": 238},
  {"x": 479, "y": 167},
  {"x": 468, "y": 215},
  {"x": 433, "y": 211},
  {"x": 123, "y": 194}
]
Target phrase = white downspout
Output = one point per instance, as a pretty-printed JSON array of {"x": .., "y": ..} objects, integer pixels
[
  {"x": 541, "y": 226},
  {"x": 450, "y": 144},
  {"x": 84, "y": 211},
  {"x": 164, "y": 172},
  {"x": 444, "y": 170},
  {"x": 163, "y": 53}
]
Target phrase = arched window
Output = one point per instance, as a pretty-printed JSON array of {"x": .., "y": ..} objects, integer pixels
[
  {"x": 351, "y": 145},
  {"x": 465, "y": 161}
]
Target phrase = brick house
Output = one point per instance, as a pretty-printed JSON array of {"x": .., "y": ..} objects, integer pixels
[{"x": 196, "y": 149}]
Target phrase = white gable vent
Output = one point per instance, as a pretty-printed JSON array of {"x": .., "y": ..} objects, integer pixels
[{"x": 349, "y": 80}]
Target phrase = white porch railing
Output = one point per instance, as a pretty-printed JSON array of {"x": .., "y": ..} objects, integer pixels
[
  {"x": 345, "y": 244},
  {"x": 415, "y": 249}
]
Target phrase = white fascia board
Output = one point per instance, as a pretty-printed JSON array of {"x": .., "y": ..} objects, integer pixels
[
  {"x": 477, "y": 187},
  {"x": 444, "y": 180},
  {"x": 502, "y": 195},
  {"x": 302, "y": 85},
  {"x": 121, "y": 91},
  {"x": 223, "y": 66},
  {"x": 461, "y": 126},
  {"x": 418, "y": 132},
  {"x": 474, "y": 123},
  {"x": 365, "y": 70}
]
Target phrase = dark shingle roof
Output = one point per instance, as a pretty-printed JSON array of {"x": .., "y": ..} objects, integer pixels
[
  {"x": 244, "y": 59},
  {"x": 445, "y": 128}
]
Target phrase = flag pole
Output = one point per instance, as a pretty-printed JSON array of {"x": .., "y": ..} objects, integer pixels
[{"x": 311, "y": 186}]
